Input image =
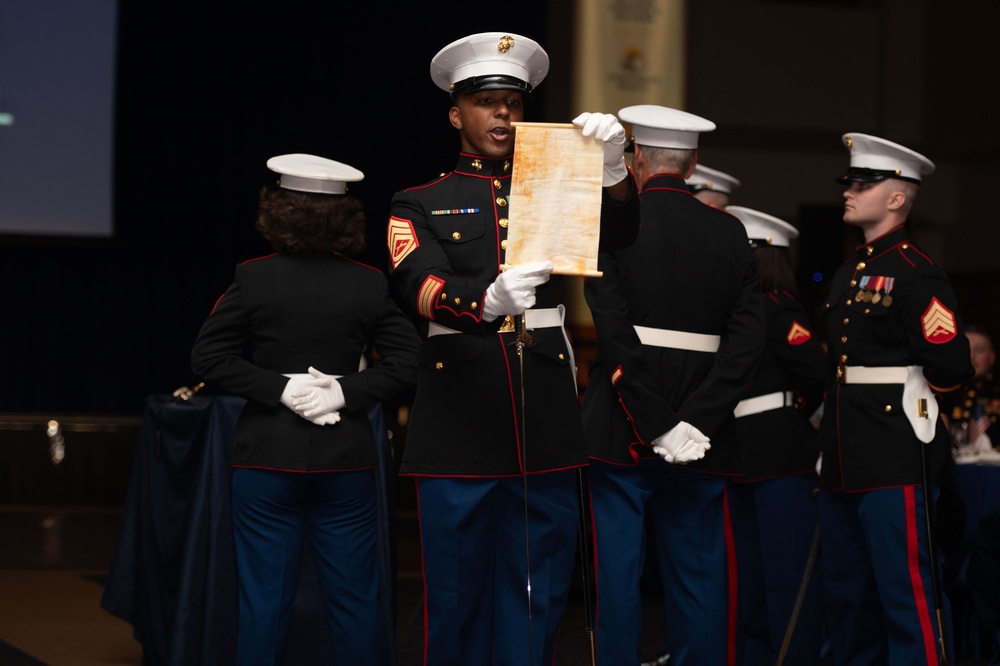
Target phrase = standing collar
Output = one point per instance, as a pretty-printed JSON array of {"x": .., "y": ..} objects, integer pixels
[
  {"x": 474, "y": 165},
  {"x": 886, "y": 241},
  {"x": 665, "y": 181}
]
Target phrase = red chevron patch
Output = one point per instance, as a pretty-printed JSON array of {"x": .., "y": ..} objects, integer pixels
[
  {"x": 798, "y": 334},
  {"x": 401, "y": 238},
  {"x": 938, "y": 323}
]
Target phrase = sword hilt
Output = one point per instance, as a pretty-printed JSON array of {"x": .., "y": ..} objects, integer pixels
[{"x": 518, "y": 325}]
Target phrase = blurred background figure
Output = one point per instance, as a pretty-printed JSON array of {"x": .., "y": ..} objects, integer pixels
[
  {"x": 712, "y": 187},
  {"x": 974, "y": 410}
]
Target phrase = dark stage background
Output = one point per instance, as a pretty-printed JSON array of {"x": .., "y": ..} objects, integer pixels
[{"x": 204, "y": 97}]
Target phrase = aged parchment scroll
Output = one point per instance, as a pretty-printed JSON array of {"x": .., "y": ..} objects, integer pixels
[{"x": 555, "y": 198}]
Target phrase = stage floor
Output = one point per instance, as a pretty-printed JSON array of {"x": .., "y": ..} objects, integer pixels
[{"x": 54, "y": 561}]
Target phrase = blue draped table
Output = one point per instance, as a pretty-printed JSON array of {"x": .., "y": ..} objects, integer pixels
[
  {"x": 979, "y": 487},
  {"x": 173, "y": 573}
]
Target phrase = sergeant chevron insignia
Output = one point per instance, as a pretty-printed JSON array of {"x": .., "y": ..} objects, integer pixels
[
  {"x": 938, "y": 323},
  {"x": 402, "y": 239}
]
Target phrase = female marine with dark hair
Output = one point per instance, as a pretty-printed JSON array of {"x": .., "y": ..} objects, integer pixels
[
  {"x": 773, "y": 502},
  {"x": 290, "y": 335}
]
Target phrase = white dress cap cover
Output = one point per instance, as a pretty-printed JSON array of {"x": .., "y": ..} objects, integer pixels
[
  {"x": 311, "y": 173},
  {"x": 663, "y": 127},
  {"x": 764, "y": 229}
]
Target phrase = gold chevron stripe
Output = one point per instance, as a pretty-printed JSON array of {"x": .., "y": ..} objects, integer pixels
[
  {"x": 798, "y": 334},
  {"x": 401, "y": 238},
  {"x": 938, "y": 323},
  {"x": 427, "y": 296}
]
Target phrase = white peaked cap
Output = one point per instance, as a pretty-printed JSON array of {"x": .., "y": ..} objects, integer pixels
[
  {"x": 310, "y": 173},
  {"x": 763, "y": 228}
]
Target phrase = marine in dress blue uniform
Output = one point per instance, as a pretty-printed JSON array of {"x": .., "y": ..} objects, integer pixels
[
  {"x": 774, "y": 505},
  {"x": 292, "y": 326},
  {"x": 680, "y": 330},
  {"x": 715, "y": 188},
  {"x": 494, "y": 450},
  {"x": 895, "y": 340}
]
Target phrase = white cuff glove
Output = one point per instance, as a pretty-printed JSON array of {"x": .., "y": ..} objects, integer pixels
[
  {"x": 294, "y": 387},
  {"x": 513, "y": 291},
  {"x": 315, "y": 401},
  {"x": 605, "y": 127},
  {"x": 681, "y": 444},
  {"x": 309, "y": 398}
]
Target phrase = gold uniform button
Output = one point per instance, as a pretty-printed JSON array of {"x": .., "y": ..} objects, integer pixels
[
  {"x": 477, "y": 165},
  {"x": 504, "y": 222},
  {"x": 562, "y": 357},
  {"x": 849, "y": 301},
  {"x": 473, "y": 305},
  {"x": 869, "y": 250},
  {"x": 497, "y": 184},
  {"x": 458, "y": 301},
  {"x": 905, "y": 246},
  {"x": 968, "y": 403},
  {"x": 888, "y": 408},
  {"x": 847, "y": 320},
  {"x": 843, "y": 338},
  {"x": 457, "y": 236},
  {"x": 868, "y": 310},
  {"x": 444, "y": 296},
  {"x": 501, "y": 202},
  {"x": 854, "y": 283},
  {"x": 503, "y": 244},
  {"x": 506, "y": 167},
  {"x": 861, "y": 265},
  {"x": 439, "y": 365}
]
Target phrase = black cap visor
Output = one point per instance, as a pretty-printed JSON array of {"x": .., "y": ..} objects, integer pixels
[
  {"x": 865, "y": 175},
  {"x": 495, "y": 82}
]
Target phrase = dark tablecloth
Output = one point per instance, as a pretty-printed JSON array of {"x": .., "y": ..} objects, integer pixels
[{"x": 173, "y": 573}]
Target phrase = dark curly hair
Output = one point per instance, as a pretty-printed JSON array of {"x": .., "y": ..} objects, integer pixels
[
  {"x": 293, "y": 221},
  {"x": 777, "y": 272}
]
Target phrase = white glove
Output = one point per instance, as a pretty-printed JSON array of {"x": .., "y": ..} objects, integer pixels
[
  {"x": 513, "y": 291},
  {"x": 324, "y": 398},
  {"x": 681, "y": 444},
  {"x": 298, "y": 387},
  {"x": 605, "y": 127}
]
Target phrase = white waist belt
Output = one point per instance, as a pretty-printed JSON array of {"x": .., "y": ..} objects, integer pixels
[
  {"x": 306, "y": 375},
  {"x": 662, "y": 337},
  {"x": 764, "y": 403},
  {"x": 544, "y": 318},
  {"x": 860, "y": 374}
]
